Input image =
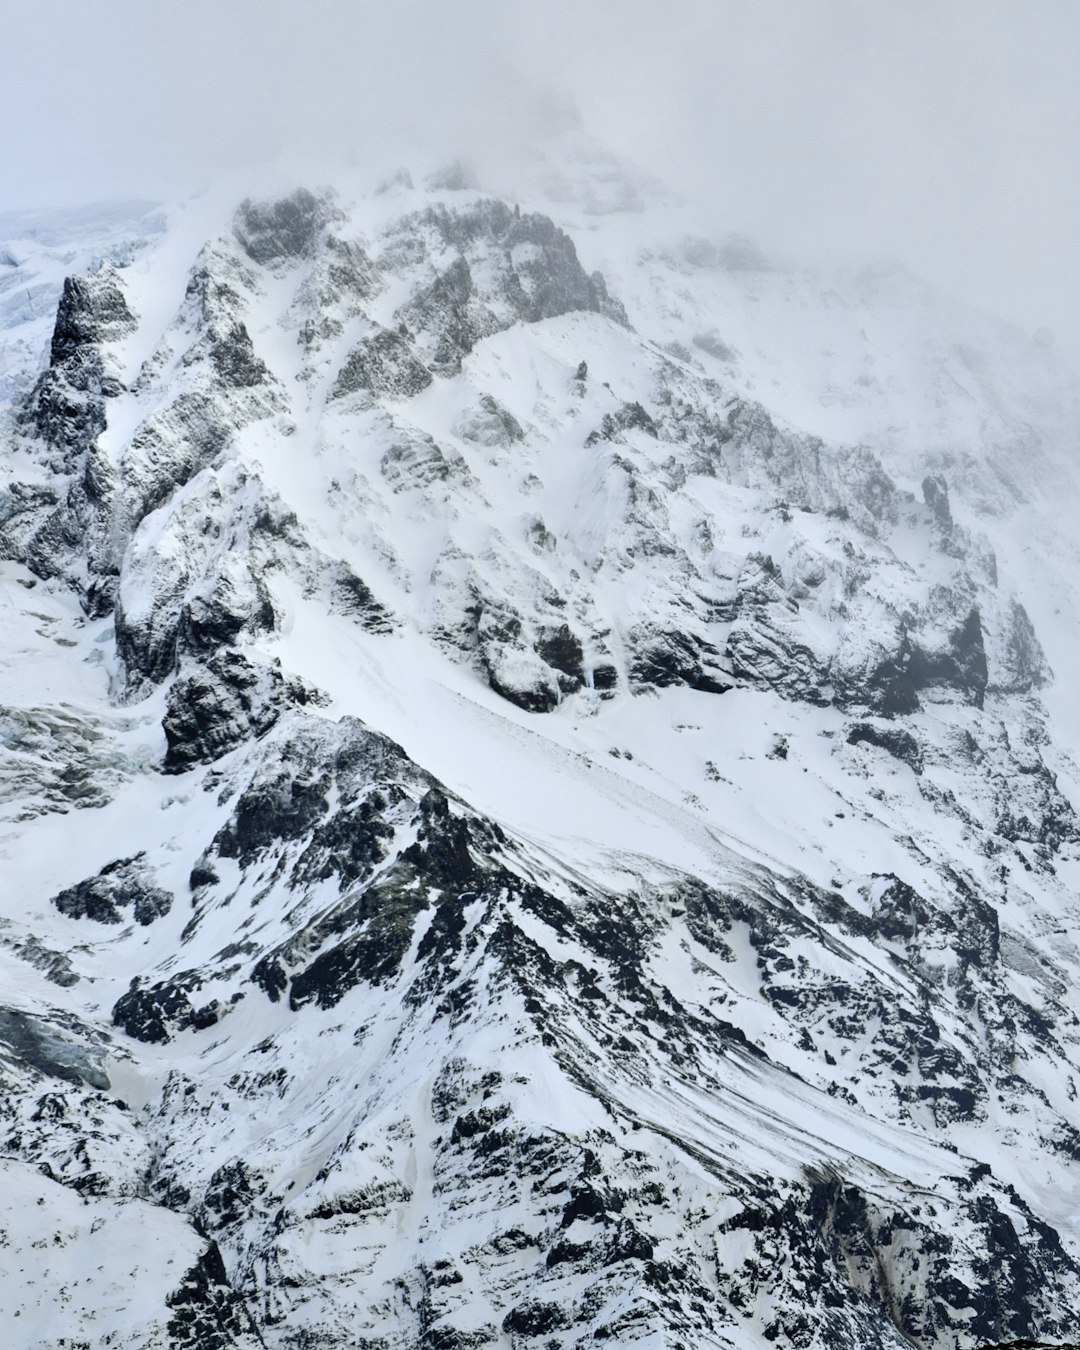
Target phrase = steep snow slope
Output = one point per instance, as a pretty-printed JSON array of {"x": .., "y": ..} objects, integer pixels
[{"x": 540, "y": 797}]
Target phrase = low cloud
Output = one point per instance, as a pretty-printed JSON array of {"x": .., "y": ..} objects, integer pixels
[{"x": 943, "y": 132}]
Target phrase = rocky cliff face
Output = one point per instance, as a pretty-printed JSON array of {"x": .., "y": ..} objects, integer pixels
[{"x": 520, "y": 842}]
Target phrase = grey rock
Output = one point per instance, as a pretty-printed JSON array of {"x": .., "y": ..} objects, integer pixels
[
  {"x": 540, "y": 281},
  {"x": 92, "y": 310},
  {"x": 153, "y": 1013},
  {"x": 35, "y": 1042},
  {"x": 894, "y": 740},
  {"x": 283, "y": 230},
  {"x": 223, "y": 703},
  {"x": 664, "y": 658},
  {"x": 122, "y": 884},
  {"x": 1022, "y": 666},
  {"x": 715, "y": 346},
  {"x": 383, "y": 365},
  {"x": 630, "y": 417},
  {"x": 489, "y": 424}
]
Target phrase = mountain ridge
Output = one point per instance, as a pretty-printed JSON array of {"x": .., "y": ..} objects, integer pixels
[{"x": 574, "y": 858}]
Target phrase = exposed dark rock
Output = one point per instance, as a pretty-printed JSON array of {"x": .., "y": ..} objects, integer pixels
[
  {"x": 530, "y": 689},
  {"x": 230, "y": 1196},
  {"x": 383, "y": 365},
  {"x": 451, "y": 1338},
  {"x": 852, "y": 1232},
  {"x": 279, "y": 806},
  {"x": 272, "y": 232},
  {"x": 124, "y": 883},
  {"x": 224, "y": 342},
  {"x": 146, "y": 652},
  {"x": 549, "y": 281},
  {"x": 668, "y": 658},
  {"x": 92, "y": 310},
  {"x": 450, "y": 311},
  {"x": 1022, "y": 663},
  {"x": 222, "y": 704},
  {"x": 207, "y": 1313},
  {"x": 893, "y": 688},
  {"x": 964, "y": 665},
  {"x": 416, "y": 461},
  {"x": 287, "y": 801},
  {"x": 561, "y": 649},
  {"x": 506, "y": 652},
  {"x": 424, "y": 953},
  {"x": 349, "y": 271},
  {"x": 534, "y": 1317},
  {"x": 64, "y": 529},
  {"x": 153, "y": 1013},
  {"x": 233, "y": 358},
  {"x": 1033, "y": 809},
  {"x": 216, "y": 618},
  {"x": 371, "y": 955},
  {"x": 630, "y": 417},
  {"x": 897, "y": 742},
  {"x": 178, "y": 442},
  {"x": 349, "y": 843},
  {"x": 350, "y": 595},
  {"x": 900, "y": 913},
  {"x": 365, "y": 938},
  {"x": 757, "y": 451},
  {"x": 978, "y": 933},
  {"x": 765, "y": 646},
  {"x": 443, "y": 843},
  {"x": 936, "y": 495},
  {"x": 605, "y": 678},
  {"x": 271, "y": 977},
  {"x": 365, "y": 941},
  {"x": 55, "y": 966},
  {"x": 1034, "y": 1345},
  {"x": 202, "y": 614},
  {"x": 536, "y": 282}
]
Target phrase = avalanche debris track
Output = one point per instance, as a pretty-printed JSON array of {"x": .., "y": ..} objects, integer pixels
[{"x": 537, "y": 799}]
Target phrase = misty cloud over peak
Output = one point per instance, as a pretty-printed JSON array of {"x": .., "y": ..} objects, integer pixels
[{"x": 945, "y": 135}]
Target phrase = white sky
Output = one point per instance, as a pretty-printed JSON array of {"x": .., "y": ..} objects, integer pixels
[{"x": 943, "y": 132}]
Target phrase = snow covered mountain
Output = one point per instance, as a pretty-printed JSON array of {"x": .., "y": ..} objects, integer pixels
[{"x": 537, "y": 762}]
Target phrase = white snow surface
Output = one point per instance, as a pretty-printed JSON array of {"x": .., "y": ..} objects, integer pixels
[{"x": 482, "y": 512}]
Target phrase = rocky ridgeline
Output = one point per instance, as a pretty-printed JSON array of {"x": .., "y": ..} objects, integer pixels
[
  {"x": 740, "y": 613},
  {"x": 426, "y": 917},
  {"x": 409, "y": 1080}
]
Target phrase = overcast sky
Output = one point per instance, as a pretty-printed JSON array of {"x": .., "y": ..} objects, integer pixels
[{"x": 943, "y": 132}]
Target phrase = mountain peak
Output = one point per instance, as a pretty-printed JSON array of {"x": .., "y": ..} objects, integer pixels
[{"x": 543, "y": 805}]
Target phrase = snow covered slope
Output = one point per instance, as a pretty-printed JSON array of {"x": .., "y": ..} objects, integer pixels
[{"x": 536, "y": 779}]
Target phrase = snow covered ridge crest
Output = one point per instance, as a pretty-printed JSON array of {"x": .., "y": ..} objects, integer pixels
[
  {"x": 522, "y": 845},
  {"x": 446, "y": 280}
]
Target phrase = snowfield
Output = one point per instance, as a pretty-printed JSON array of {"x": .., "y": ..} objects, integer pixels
[{"x": 537, "y": 762}]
